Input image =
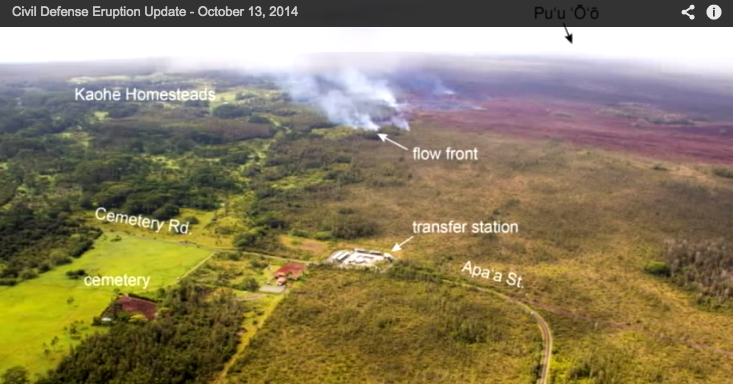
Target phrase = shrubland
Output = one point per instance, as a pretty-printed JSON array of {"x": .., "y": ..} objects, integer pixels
[
  {"x": 590, "y": 221},
  {"x": 365, "y": 327}
]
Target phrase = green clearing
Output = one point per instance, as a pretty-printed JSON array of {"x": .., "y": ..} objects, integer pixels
[
  {"x": 232, "y": 270},
  {"x": 37, "y": 310}
]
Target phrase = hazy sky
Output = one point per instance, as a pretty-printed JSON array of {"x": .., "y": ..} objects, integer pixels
[{"x": 692, "y": 48}]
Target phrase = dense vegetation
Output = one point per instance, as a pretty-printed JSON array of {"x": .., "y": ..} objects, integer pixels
[
  {"x": 324, "y": 168},
  {"x": 189, "y": 342},
  {"x": 705, "y": 267},
  {"x": 59, "y": 157},
  {"x": 26, "y": 236}
]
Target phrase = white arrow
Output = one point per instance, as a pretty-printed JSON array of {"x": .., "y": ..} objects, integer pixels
[
  {"x": 398, "y": 247},
  {"x": 383, "y": 136}
]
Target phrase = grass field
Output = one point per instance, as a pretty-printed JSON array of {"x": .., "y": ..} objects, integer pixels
[
  {"x": 215, "y": 228},
  {"x": 36, "y": 311}
]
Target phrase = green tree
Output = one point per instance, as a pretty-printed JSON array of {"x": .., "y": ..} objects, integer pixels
[
  {"x": 250, "y": 285},
  {"x": 166, "y": 212},
  {"x": 16, "y": 375},
  {"x": 657, "y": 268},
  {"x": 138, "y": 319},
  {"x": 231, "y": 111}
]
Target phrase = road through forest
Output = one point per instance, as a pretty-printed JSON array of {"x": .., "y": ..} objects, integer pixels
[
  {"x": 544, "y": 376},
  {"x": 541, "y": 322}
]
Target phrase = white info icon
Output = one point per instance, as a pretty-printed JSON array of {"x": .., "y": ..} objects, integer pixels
[{"x": 714, "y": 12}]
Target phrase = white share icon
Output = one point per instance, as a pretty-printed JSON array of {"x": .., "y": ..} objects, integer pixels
[{"x": 684, "y": 12}]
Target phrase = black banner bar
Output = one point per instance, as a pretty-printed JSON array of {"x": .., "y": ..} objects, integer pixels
[{"x": 377, "y": 13}]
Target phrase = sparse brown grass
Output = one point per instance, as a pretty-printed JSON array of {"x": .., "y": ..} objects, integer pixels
[{"x": 313, "y": 247}]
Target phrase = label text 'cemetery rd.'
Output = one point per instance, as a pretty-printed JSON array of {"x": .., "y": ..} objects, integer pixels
[{"x": 140, "y": 221}]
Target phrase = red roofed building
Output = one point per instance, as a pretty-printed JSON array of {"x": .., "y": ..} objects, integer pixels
[{"x": 292, "y": 270}]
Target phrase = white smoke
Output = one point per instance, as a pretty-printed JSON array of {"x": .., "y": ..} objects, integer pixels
[
  {"x": 440, "y": 89},
  {"x": 347, "y": 97},
  {"x": 340, "y": 108}
]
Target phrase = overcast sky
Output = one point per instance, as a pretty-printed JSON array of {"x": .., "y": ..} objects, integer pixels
[{"x": 691, "y": 48}]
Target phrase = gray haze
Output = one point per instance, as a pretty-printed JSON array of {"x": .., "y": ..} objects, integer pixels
[{"x": 353, "y": 89}]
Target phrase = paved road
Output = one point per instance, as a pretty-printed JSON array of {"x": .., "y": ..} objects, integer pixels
[
  {"x": 547, "y": 353},
  {"x": 541, "y": 322}
]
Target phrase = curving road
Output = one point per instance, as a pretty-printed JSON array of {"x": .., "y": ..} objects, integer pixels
[
  {"x": 547, "y": 353},
  {"x": 541, "y": 322}
]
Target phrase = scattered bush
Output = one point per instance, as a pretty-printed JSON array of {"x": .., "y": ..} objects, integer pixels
[
  {"x": 723, "y": 172},
  {"x": 80, "y": 248},
  {"x": 250, "y": 285},
  {"x": 244, "y": 96},
  {"x": 62, "y": 261},
  {"x": 259, "y": 264},
  {"x": 352, "y": 227},
  {"x": 256, "y": 119},
  {"x": 75, "y": 275},
  {"x": 299, "y": 233},
  {"x": 657, "y": 268},
  {"x": 28, "y": 274},
  {"x": 323, "y": 236},
  {"x": 231, "y": 111},
  {"x": 138, "y": 319},
  {"x": 346, "y": 211},
  {"x": 166, "y": 212}
]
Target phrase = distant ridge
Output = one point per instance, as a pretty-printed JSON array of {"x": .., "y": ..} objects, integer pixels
[{"x": 66, "y": 69}]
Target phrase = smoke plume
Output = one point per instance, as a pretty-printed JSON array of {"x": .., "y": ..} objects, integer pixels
[{"x": 349, "y": 97}]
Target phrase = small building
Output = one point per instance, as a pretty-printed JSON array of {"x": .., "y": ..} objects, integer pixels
[
  {"x": 341, "y": 256},
  {"x": 291, "y": 270},
  {"x": 281, "y": 281}
]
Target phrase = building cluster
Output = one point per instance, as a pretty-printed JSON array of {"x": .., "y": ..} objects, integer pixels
[{"x": 359, "y": 257}]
